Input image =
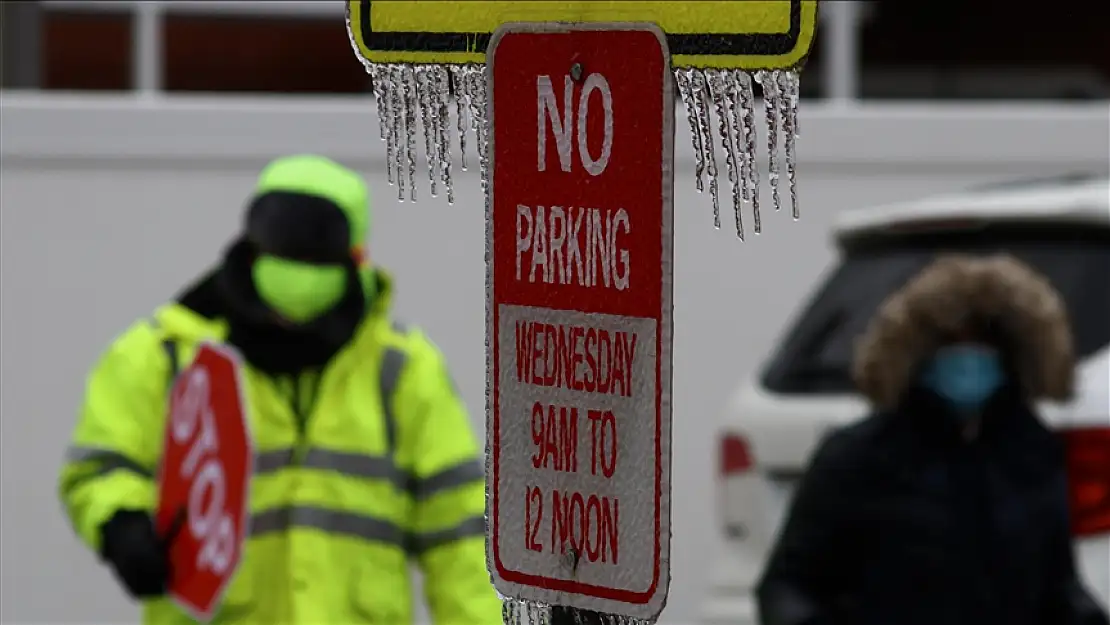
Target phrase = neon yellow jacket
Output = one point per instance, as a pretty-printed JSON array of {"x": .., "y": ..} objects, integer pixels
[{"x": 385, "y": 467}]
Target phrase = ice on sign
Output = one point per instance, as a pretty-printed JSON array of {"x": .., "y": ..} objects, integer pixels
[
  {"x": 421, "y": 60},
  {"x": 729, "y": 97},
  {"x": 720, "y": 108}
]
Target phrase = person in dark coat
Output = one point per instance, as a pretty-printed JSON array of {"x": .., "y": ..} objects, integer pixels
[{"x": 948, "y": 505}]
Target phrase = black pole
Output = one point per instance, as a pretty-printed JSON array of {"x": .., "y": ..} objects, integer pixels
[{"x": 561, "y": 615}]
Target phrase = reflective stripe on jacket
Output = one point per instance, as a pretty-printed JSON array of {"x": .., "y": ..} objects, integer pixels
[{"x": 379, "y": 467}]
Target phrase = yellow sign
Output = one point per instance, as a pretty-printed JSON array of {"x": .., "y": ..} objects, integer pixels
[{"x": 737, "y": 34}]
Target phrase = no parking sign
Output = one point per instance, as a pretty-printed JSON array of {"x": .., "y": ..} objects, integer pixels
[{"x": 579, "y": 311}]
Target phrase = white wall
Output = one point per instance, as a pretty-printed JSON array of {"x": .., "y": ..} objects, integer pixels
[{"x": 109, "y": 206}]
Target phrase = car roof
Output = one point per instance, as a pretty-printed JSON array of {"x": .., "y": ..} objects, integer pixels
[{"x": 1077, "y": 199}]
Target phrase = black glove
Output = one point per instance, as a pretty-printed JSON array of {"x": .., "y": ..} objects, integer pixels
[
  {"x": 573, "y": 616},
  {"x": 136, "y": 552}
]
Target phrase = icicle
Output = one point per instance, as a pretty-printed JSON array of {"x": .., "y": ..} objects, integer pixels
[
  {"x": 769, "y": 82},
  {"x": 397, "y": 130},
  {"x": 383, "y": 97},
  {"x": 417, "y": 98},
  {"x": 378, "y": 81},
  {"x": 741, "y": 194},
  {"x": 477, "y": 79},
  {"x": 682, "y": 79},
  {"x": 441, "y": 90},
  {"x": 701, "y": 98},
  {"x": 718, "y": 93},
  {"x": 730, "y": 123},
  {"x": 428, "y": 114},
  {"x": 408, "y": 77},
  {"x": 736, "y": 100},
  {"x": 788, "y": 106},
  {"x": 462, "y": 107},
  {"x": 476, "y": 101},
  {"x": 750, "y": 149}
]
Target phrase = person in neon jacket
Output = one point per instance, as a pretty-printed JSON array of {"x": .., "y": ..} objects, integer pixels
[{"x": 365, "y": 457}]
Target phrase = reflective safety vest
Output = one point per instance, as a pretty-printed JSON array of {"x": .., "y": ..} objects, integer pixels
[{"x": 380, "y": 467}]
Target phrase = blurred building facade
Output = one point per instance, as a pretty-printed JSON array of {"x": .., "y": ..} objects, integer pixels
[{"x": 938, "y": 50}]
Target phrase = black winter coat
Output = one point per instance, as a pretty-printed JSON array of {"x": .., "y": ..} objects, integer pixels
[{"x": 901, "y": 521}]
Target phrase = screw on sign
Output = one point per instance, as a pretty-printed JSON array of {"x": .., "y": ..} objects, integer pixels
[
  {"x": 205, "y": 480},
  {"x": 579, "y": 305}
]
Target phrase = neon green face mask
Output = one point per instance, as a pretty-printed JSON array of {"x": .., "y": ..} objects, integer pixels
[{"x": 299, "y": 292}]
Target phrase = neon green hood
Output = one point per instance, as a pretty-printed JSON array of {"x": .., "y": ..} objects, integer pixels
[{"x": 301, "y": 290}]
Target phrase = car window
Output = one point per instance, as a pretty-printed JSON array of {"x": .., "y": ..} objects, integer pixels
[{"x": 816, "y": 352}]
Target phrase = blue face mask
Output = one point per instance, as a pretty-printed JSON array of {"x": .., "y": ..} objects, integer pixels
[{"x": 965, "y": 375}]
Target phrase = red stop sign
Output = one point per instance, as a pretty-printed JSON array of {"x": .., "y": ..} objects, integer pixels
[{"x": 205, "y": 480}]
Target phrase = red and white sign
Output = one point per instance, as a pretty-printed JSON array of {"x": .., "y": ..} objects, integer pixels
[
  {"x": 205, "y": 480},
  {"x": 579, "y": 315}
]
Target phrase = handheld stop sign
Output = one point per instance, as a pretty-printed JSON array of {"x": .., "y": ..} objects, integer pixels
[{"x": 205, "y": 480}]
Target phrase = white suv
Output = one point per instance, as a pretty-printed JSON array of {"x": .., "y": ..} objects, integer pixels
[{"x": 1060, "y": 226}]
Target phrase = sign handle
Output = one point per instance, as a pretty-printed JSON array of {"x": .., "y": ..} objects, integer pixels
[
  {"x": 172, "y": 532},
  {"x": 175, "y": 527}
]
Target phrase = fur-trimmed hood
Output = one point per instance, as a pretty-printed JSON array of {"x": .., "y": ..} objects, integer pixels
[{"x": 940, "y": 300}]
